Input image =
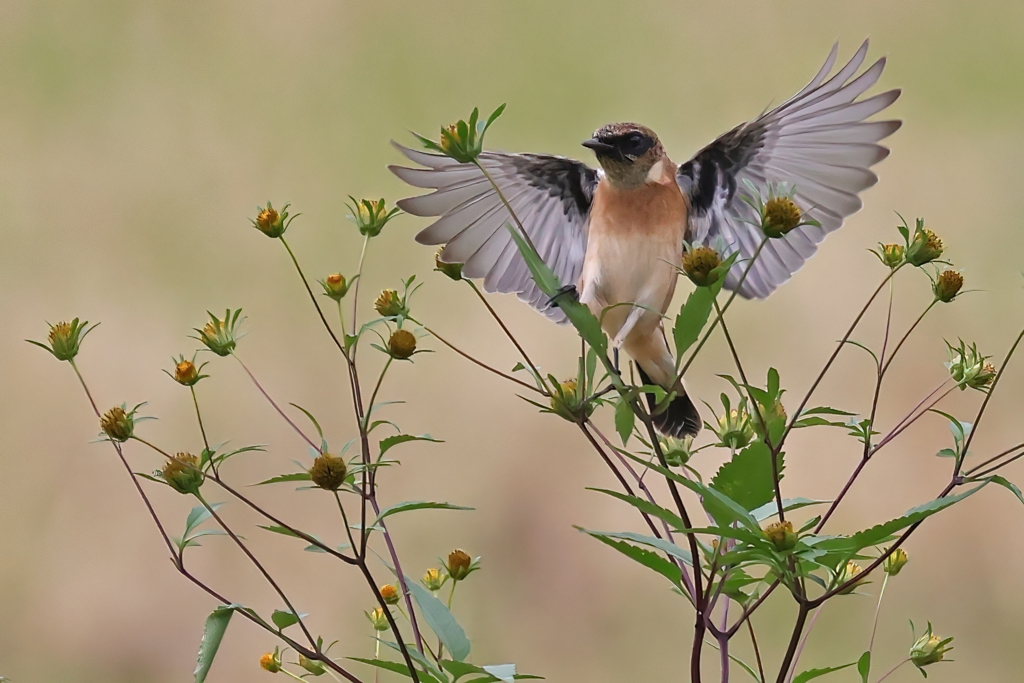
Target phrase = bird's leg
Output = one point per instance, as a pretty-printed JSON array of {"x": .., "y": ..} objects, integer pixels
[
  {"x": 615, "y": 361},
  {"x": 568, "y": 290}
]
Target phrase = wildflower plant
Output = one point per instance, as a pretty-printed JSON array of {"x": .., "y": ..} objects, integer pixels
[{"x": 756, "y": 544}]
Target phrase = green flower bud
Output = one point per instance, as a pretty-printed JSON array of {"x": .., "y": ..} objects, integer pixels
[
  {"x": 895, "y": 562},
  {"x": 433, "y": 580},
  {"x": 378, "y": 619},
  {"x": 389, "y": 304},
  {"x": 328, "y": 472},
  {"x": 780, "y": 535},
  {"x": 892, "y": 254},
  {"x": 969, "y": 368},
  {"x": 271, "y": 222},
  {"x": 850, "y": 570},
  {"x": 313, "y": 666},
  {"x": 182, "y": 473},
  {"x": 736, "y": 429},
  {"x": 925, "y": 247},
  {"x": 452, "y": 270},
  {"x": 568, "y": 404},
  {"x": 929, "y": 649},
  {"x": 221, "y": 336},
  {"x": 369, "y": 215},
  {"x": 677, "y": 452},
  {"x": 335, "y": 286},
  {"x": 65, "y": 339},
  {"x": 698, "y": 264}
]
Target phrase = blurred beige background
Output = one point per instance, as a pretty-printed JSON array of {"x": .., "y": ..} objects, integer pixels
[{"x": 137, "y": 140}]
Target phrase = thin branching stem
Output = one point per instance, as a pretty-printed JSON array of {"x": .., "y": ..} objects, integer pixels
[
  {"x": 878, "y": 610},
  {"x": 355, "y": 291},
  {"x": 280, "y": 412},
  {"x": 906, "y": 336},
  {"x": 199, "y": 419},
  {"x": 968, "y": 472},
  {"x": 485, "y": 366},
  {"x": 312, "y": 296},
  {"x": 803, "y": 644},
  {"x": 892, "y": 670},
  {"x": 757, "y": 650},
  {"x": 511, "y": 337},
  {"x": 794, "y": 640}
]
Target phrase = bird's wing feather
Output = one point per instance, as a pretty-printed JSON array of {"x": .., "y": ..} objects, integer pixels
[
  {"x": 551, "y": 196},
  {"x": 818, "y": 142}
]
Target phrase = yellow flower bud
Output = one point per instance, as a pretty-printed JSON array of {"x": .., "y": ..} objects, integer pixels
[
  {"x": 568, "y": 404},
  {"x": 780, "y": 535},
  {"x": 271, "y": 222},
  {"x": 893, "y": 254},
  {"x": 335, "y": 286},
  {"x": 389, "y": 594},
  {"x": 929, "y": 649},
  {"x": 182, "y": 473},
  {"x": 432, "y": 580},
  {"x": 779, "y": 216},
  {"x": 389, "y": 304},
  {"x": 895, "y": 562},
  {"x": 969, "y": 368},
  {"x": 698, "y": 264},
  {"x": 378, "y": 619},
  {"x": 850, "y": 571},
  {"x": 328, "y": 472},
  {"x": 947, "y": 285},
  {"x": 221, "y": 335},
  {"x": 271, "y": 661},
  {"x": 65, "y": 339},
  {"x": 402, "y": 344},
  {"x": 458, "y": 565},
  {"x": 736, "y": 429},
  {"x": 370, "y": 215}
]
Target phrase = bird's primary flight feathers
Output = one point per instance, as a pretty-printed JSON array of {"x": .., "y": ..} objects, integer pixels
[{"x": 818, "y": 142}]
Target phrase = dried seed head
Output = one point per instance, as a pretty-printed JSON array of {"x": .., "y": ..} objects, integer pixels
[
  {"x": 698, "y": 264},
  {"x": 328, "y": 472},
  {"x": 947, "y": 285},
  {"x": 402, "y": 344},
  {"x": 118, "y": 424}
]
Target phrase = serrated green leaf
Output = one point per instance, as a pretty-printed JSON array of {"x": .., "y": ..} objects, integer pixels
[
  {"x": 415, "y": 505},
  {"x": 624, "y": 420},
  {"x": 771, "y": 509},
  {"x": 440, "y": 620},
  {"x": 392, "y": 441},
  {"x": 694, "y": 314},
  {"x": 748, "y": 477},
  {"x": 213, "y": 633},
  {"x": 647, "y": 558},
  {"x": 1008, "y": 485},
  {"x": 815, "y": 673}
]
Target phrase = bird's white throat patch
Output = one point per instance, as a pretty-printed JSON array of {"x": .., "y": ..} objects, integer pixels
[{"x": 654, "y": 175}]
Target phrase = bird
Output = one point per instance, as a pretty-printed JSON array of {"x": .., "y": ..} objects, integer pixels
[{"x": 617, "y": 232}]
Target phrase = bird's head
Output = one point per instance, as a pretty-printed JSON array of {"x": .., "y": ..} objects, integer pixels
[{"x": 626, "y": 152}]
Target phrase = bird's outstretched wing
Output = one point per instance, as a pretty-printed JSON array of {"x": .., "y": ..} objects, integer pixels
[
  {"x": 818, "y": 142},
  {"x": 551, "y": 196}
]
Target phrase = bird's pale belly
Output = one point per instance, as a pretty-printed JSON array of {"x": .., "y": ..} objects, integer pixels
[{"x": 623, "y": 268}]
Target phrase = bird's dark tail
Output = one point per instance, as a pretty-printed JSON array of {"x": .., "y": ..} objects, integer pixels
[{"x": 679, "y": 419}]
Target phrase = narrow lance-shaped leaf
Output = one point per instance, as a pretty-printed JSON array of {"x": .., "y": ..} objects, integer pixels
[
  {"x": 647, "y": 558},
  {"x": 213, "y": 633},
  {"x": 624, "y": 419},
  {"x": 815, "y": 673},
  {"x": 440, "y": 620},
  {"x": 415, "y": 505}
]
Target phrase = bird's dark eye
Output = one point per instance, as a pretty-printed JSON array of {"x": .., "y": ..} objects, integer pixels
[{"x": 635, "y": 144}]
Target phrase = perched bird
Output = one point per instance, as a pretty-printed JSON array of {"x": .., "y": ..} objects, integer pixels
[{"x": 617, "y": 233}]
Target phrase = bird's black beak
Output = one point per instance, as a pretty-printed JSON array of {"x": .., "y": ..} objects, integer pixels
[{"x": 600, "y": 148}]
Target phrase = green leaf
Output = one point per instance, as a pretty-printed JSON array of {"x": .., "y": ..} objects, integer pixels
[
  {"x": 391, "y": 441},
  {"x": 213, "y": 633},
  {"x": 748, "y": 478},
  {"x": 1005, "y": 483},
  {"x": 415, "y": 505},
  {"x": 312, "y": 419},
  {"x": 664, "y": 546},
  {"x": 440, "y": 620},
  {"x": 297, "y": 476},
  {"x": 396, "y": 667},
  {"x": 197, "y": 516},
  {"x": 279, "y": 530},
  {"x": 771, "y": 508},
  {"x": 881, "y": 532},
  {"x": 284, "y": 619},
  {"x": 645, "y": 557},
  {"x": 814, "y": 673},
  {"x": 864, "y": 666},
  {"x": 624, "y": 418},
  {"x": 647, "y": 507}
]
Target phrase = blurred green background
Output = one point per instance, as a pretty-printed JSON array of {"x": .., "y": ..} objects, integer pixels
[{"x": 137, "y": 140}]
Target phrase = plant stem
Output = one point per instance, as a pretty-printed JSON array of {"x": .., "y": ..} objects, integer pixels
[
  {"x": 199, "y": 418},
  {"x": 798, "y": 627},
  {"x": 907, "y": 335},
  {"x": 280, "y": 412},
  {"x": 484, "y": 365},
  {"x": 803, "y": 643},
  {"x": 890, "y": 671},
  {"x": 878, "y": 609},
  {"x": 373, "y": 396},
  {"x": 757, "y": 650},
  {"x": 359, "y": 279},
  {"x": 313, "y": 298}
]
